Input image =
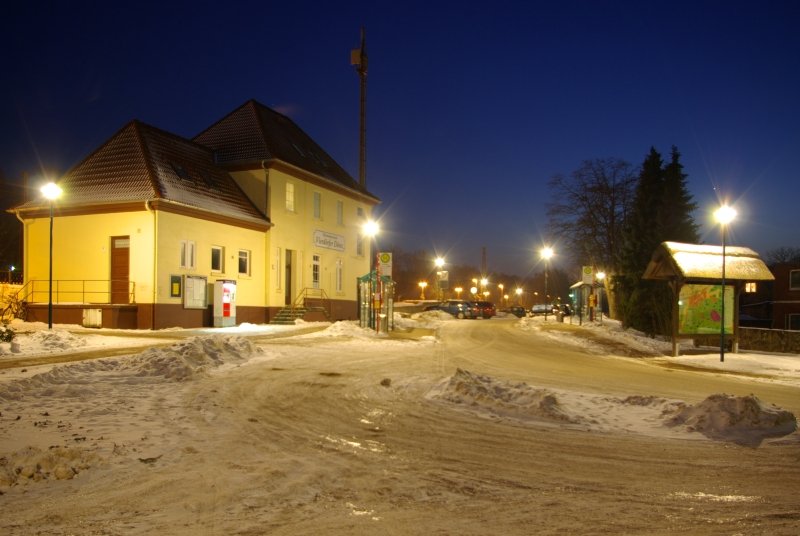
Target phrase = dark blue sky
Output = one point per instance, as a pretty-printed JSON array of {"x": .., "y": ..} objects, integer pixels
[{"x": 471, "y": 108}]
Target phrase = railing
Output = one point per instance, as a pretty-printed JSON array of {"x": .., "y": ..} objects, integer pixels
[
  {"x": 308, "y": 294},
  {"x": 78, "y": 291}
]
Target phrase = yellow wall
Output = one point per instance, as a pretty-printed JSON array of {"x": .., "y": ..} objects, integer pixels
[
  {"x": 82, "y": 257},
  {"x": 173, "y": 228},
  {"x": 295, "y": 231}
]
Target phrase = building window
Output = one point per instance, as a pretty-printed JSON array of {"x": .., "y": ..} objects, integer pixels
[
  {"x": 290, "y": 197},
  {"x": 244, "y": 262},
  {"x": 750, "y": 288},
  {"x": 339, "y": 274},
  {"x": 359, "y": 236},
  {"x": 794, "y": 280},
  {"x": 340, "y": 212},
  {"x": 217, "y": 259},
  {"x": 793, "y": 322},
  {"x": 317, "y": 205},
  {"x": 315, "y": 271},
  {"x": 187, "y": 254},
  {"x": 278, "y": 270}
]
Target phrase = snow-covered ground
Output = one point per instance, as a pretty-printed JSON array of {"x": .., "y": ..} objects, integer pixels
[{"x": 94, "y": 425}]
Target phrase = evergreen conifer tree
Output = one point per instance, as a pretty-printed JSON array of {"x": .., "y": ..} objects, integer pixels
[{"x": 662, "y": 211}]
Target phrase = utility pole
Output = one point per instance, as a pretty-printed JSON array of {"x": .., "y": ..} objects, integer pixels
[{"x": 358, "y": 58}]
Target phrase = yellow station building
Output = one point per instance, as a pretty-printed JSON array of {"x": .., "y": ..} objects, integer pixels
[{"x": 148, "y": 223}]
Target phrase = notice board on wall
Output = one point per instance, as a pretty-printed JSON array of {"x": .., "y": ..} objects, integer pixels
[{"x": 195, "y": 292}]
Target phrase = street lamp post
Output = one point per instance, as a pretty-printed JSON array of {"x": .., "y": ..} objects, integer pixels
[
  {"x": 422, "y": 285},
  {"x": 440, "y": 275},
  {"x": 519, "y": 295},
  {"x": 51, "y": 192},
  {"x": 601, "y": 276},
  {"x": 547, "y": 253},
  {"x": 724, "y": 215},
  {"x": 370, "y": 229}
]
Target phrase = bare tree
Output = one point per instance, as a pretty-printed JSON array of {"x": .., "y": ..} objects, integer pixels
[
  {"x": 589, "y": 210},
  {"x": 783, "y": 255}
]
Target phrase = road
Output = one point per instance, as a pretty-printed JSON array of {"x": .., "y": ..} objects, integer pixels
[{"x": 347, "y": 437}]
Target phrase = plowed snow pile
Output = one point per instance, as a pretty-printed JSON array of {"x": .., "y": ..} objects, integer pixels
[{"x": 741, "y": 420}]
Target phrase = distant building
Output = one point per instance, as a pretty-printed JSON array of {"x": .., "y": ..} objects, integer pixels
[
  {"x": 786, "y": 296},
  {"x": 150, "y": 220}
]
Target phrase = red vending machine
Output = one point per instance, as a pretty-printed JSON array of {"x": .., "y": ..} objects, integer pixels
[{"x": 224, "y": 303}]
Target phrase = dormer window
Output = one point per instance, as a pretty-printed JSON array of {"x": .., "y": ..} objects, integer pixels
[{"x": 180, "y": 171}]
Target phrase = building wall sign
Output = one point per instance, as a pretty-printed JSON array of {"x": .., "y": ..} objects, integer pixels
[{"x": 328, "y": 240}]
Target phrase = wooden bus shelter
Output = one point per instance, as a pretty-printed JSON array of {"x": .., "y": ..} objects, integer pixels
[{"x": 694, "y": 273}]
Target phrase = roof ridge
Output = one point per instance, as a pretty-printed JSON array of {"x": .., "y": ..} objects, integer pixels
[{"x": 148, "y": 158}]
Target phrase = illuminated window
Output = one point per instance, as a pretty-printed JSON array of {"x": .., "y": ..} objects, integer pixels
[{"x": 750, "y": 288}]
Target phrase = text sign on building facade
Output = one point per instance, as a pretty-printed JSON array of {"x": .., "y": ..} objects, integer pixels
[{"x": 328, "y": 240}]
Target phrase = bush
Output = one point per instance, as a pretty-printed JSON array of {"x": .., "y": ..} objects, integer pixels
[{"x": 6, "y": 334}]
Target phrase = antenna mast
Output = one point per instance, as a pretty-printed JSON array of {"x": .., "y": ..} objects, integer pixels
[{"x": 358, "y": 58}]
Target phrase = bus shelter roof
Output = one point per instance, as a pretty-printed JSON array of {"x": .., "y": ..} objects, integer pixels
[{"x": 696, "y": 262}]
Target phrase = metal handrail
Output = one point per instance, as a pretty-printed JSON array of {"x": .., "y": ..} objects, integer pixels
[
  {"x": 73, "y": 291},
  {"x": 314, "y": 293}
]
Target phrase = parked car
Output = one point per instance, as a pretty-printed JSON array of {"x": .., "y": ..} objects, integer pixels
[
  {"x": 542, "y": 308},
  {"x": 483, "y": 309},
  {"x": 565, "y": 309},
  {"x": 516, "y": 310},
  {"x": 457, "y": 308}
]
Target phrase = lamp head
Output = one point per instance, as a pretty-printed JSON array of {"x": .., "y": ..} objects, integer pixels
[
  {"x": 725, "y": 214},
  {"x": 51, "y": 191}
]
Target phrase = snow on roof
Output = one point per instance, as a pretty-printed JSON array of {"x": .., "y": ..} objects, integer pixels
[{"x": 694, "y": 261}]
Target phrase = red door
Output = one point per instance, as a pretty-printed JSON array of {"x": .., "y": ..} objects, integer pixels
[{"x": 120, "y": 269}]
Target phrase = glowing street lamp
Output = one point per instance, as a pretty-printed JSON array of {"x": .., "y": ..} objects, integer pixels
[
  {"x": 601, "y": 276},
  {"x": 51, "y": 192},
  {"x": 441, "y": 275},
  {"x": 547, "y": 254},
  {"x": 370, "y": 229},
  {"x": 724, "y": 215},
  {"x": 519, "y": 295},
  {"x": 422, "y": 285},
  {"x": 458, "y": 290}
]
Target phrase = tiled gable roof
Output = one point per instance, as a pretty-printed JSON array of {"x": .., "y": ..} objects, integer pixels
[
  {"x": 144, "y": 163},
  {"x": 253, "y": 133}
]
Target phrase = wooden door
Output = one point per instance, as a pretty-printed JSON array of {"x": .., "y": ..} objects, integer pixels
[{"x": 120, "y": 269}]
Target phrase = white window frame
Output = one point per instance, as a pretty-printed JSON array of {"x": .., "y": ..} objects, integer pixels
[
  {"x": 290, "y": 198},
  {"x": 278, "y": 269},
  {"x": 221, "y": 268},
  {"x": 317, "y": 197},
  {"x": 794, "y": 287},
  {"x": 339, "y": 275},
  {"x": 316, "y": 269},
  {"x": 244, "y": 254},
  {"x": 187, "y": 254},
  {"x": 789, "y": 318}
]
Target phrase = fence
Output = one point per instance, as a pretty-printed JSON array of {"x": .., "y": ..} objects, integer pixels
[{"x": 79, "y": 291}]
